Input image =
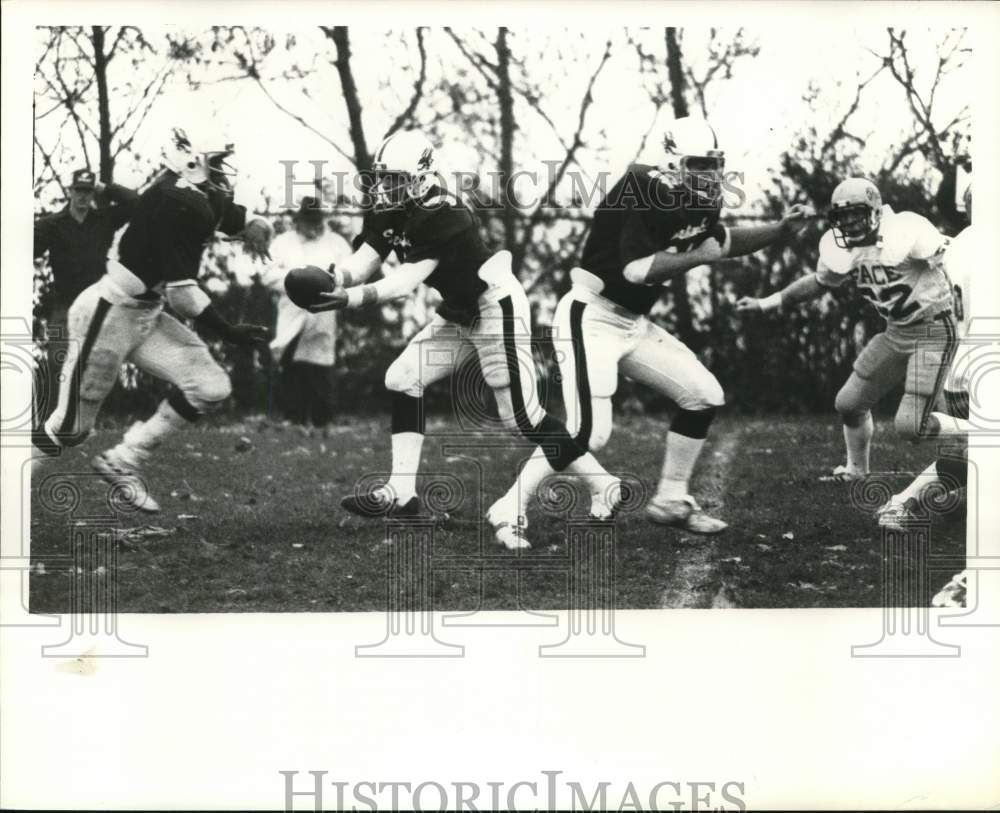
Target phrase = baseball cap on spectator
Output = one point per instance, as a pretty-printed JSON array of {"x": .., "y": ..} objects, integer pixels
[{"x": 83, "y": 179}]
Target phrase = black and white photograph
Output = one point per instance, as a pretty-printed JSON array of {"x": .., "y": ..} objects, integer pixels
[
  {"x": 434, "y": 289},
  {"x": 467, "y": 323}
]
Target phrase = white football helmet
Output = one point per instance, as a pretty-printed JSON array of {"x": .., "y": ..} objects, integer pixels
[
  {"x": 855, "y": 213},
  {"x": 404, "y": 168},
  {"x": 201, "y": 163},
  {"x": 693, "y": 157}
]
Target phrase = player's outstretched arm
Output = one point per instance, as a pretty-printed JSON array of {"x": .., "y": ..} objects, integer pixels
[
  {"x": 802, "y": 289},
  {"x": 748, "y": 239},
  {"x": 357, "y": 268},
  {"x": 658, "y": 268},
  {"x": 188, "y": 299},
  {"x": 406, "y": 279}
]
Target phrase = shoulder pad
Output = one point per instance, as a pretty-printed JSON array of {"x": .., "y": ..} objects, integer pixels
[
  {"x": 442, "y": 198},
  {"x": 837, "y": 259},
  {"x": 900, "y": 230}
]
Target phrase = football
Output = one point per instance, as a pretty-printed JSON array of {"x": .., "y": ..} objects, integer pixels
[{"x": 304, "y": 285}]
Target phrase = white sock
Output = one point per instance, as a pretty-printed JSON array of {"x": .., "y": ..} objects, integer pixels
[
  {"x": 678, "y": 464},
  {"x": 143, "y": 438},
  {"x": 605, "y": 488},
  {"x": 927, "y": 477},
  {"x": 515, "y": 502},
  {"x": 858, "y": 440},
  {"x": 406, "y": 448}
]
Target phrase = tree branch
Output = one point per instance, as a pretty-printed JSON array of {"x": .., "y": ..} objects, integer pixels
[
  {"x": 339, "y": 36},
  {"x": 585, "y": 104},
  {"x": 477, "y": 61},
  {"x": 418, "y": 88},
  {"x": 303, "y": 122}
]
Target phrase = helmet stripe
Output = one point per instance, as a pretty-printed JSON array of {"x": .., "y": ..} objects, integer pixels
[{"x": 381, "y": 150}]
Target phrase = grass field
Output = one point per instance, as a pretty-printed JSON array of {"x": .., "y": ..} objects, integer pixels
[{"x": 261, "y": 530}]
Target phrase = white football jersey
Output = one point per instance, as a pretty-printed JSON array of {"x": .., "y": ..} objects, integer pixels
[
  {"x": 901, "y": 274},
  {"x": 963, "y": 257}
]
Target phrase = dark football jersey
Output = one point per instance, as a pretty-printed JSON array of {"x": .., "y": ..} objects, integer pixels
[
  {"x": 170, "y": 228},
  {"x": 641, "y": 215},
  {"x": 443, "y": 229}
]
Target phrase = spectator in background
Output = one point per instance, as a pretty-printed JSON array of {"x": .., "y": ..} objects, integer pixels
[
  {"x": 304, "y": 345},
  {"x": 77, "y": 240}
]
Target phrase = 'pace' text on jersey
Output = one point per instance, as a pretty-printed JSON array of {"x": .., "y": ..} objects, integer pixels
[
  {"x": 643, "y": 213},
  {"x": 901, "y": 274}
]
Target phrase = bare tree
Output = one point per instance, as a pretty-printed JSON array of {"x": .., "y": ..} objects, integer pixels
[
  {"x": 930, "y": 132},
  {"x": 246, "y": 54},
  {"x": 78, "y": 75},
  {"x": 723, "y": 54},
  {"x": 508, "y": 79}
]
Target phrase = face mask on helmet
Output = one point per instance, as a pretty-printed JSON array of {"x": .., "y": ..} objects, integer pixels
[
  {"x": 207, "y": 169},
  {"x": 391, "y": 189},
  {"x": 694, "y": 160},
  {"x": 702, "y": 176},
  {"x": 854, "y": 224},
  {"x": 220, "y": 171}
]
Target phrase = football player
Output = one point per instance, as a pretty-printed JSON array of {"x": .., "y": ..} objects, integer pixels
[
  {"x": 949, "y": 471},
  {"x": 484, "y": 311},
  {"x": 120, "y": 317},
  {"x": 895, "y": 259},
  {"x": 655, "y": 223}
]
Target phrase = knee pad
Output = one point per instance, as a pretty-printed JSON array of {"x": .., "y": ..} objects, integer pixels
[
  {"x": 401, "y": 377},
  {"x": 560, "y": 448},
  {"x": 693, "y": 423},
  {"x": 847, "y": 406},
  {"x": 953, "y": 471},
  {"x": 407, "y": 414},
  {"x": 705, "y": 395},
  {"x": 208, "y": 390},
  {"x": 957, "y": 403}
]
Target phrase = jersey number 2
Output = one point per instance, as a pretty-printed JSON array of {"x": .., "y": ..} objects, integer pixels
[{"x": 893, "y": 301}]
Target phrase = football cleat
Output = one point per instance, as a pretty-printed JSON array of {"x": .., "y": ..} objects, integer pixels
[
  {"x": 604, "y": 504},
  {"x": 511, "y": 535},
  {"x": 133, "y": 491},
  {"x": 685, "y": 514},
  {"x": 843, "y": 474},
  {"x": 897, "y": 515},
  {"x": 380, "y": 502},
  {"x": 953, "y": 593}
]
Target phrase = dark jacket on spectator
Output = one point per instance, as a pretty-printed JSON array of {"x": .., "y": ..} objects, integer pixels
[{"x": 78, "y": 252}]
